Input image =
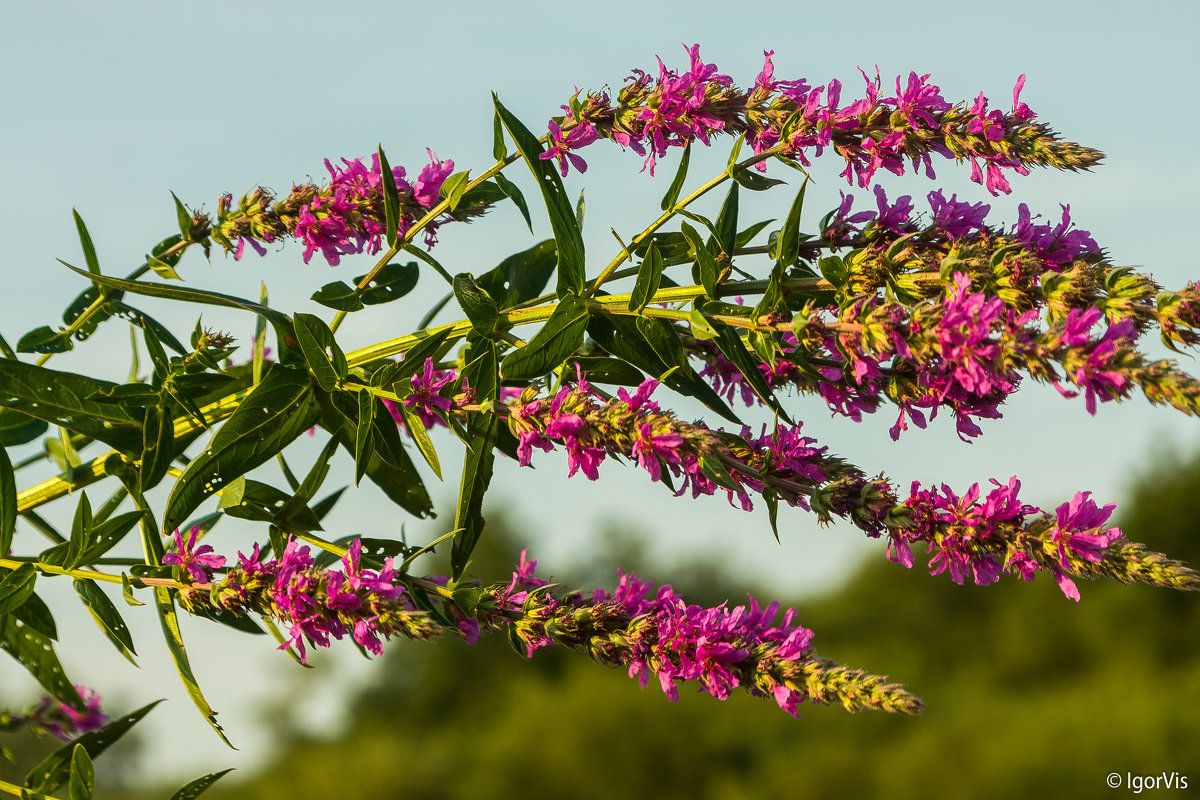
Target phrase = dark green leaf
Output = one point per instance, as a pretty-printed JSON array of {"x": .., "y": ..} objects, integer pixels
[
  {"x": 15, "y": 587},
  {"x": 748, "y": 234},
  {"x": 170, "y": 627},
  {"x": 558, "y": 338},
  {"x": 605, "y": 370},
  {"x": 17, "y": 428},
  {"x": 55, "y": 769},
  {"x": 107, "y": 617},
  {"x": 44, "y": 340},
  {"x": 277, "y": 411},
  {"x": 81, "y": 531},
  {"x": 513, "y": 192},
  {"x": 834, "y": 270},
  {"x": 673, "y": 246},
  {"x": 499, "y": 149},
  {"x": 481, "y": 368},
  {"x": 580, "y": 208},
  {"x": 648, "y": 279},
  {"x": 415, "y": 356},
  {"x": 103, "y": 538},
  {"x": 428, "y": 259},
  {"x": 727, "y": 220},
  {"x": 664, "y": 340},
  {"x": 127, "y": 592},
  {"x": 147, "y": 323},
  {"x": 479, "y": 307},
  {"x": 772, "y": 511},
  {"x": 86, "y": 301},
  {"x": 321, "y": 351},
  {"x": 8, "y": 501},
  {"x": 158, "y": 446},
  {"x": 707, "y": 266},
  {"x": 454, "y": 186},
  {"x": 391, "y": 198},
  {"x": 734, "y": 153},
  {"x": 36, "y": 614},
  {"x": 753, "y": 180},
  {"x": 193, "y": 789},
  {"x": 82, "y": 782},
  {"x": 416, "y": 429},
  {"x": 677, "y": 182},
  {"x": 183, "y": 218},
  {"x": 85, "y": 241},
  {"x": 364, "y": 435},
  {"x": 241, "y": 624},
  {"x": 732, "y": 348},
  {"x": 35, "y": 652},
  {"x": 391, "y": 283},
  {"x": 522, "y": 276},
  {"x": 338, "y": 295},
  {"x": 558, "y": 206},
  {"x": 58, "y": 398},
  {"x": 477, "y": 474},
  {"x": 789, "y": 237}
]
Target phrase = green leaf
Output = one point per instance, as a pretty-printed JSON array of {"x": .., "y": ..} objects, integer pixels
[
  {"x": 605, "y": 370},
  {"x": 834, "y": 270},
  {"x": 391, "y": 198},
  {"x": 81, "y": 531},
  {"x": 183, "y": 218},
  {"x": 477, "y": 475},
  {"x": 513, "y": 192},
  {"x": 734, "y": 153},
  {"x": 558, "y": 338},
  {"x": 580, "y": 208},
  {"x": 454, "y": 186},
  {"x": 17, "y": 428},
  {"x": 58, "y": 398},
  {"x": 36, "y": 653},
  {"x": 731, "y": 346},
  {"x": 189, "y": 295},
  {"x": 55, "y": 768},
  {"x": 44, "y": 340},
  {"x": 391, "y": 283},
  {"x": 414, "y": 358},
  {"x": 522, "y": 276},
  {"x": 274, "y": 413},
  {"x": 158, "y": 446},
  {"x": 127, "y": 592},
  {"x": 36, "y": 614},
  {"x": 676, "y": 186},
  {"x": 788, "y": 242},
  {"x": 82, "y": 782},
  {"x": 193, "y": 789},
  {"x": 85, "y": 241},
  {"x": 727, "y": 220},
  {"x": 337, "y": 295},
  {"x": 15, "y": 587},
  {"x": 754, "y": 180},
  {"x": 499, "y": 149},
  {"x": 321, "y": 351},
  {"x": 364, "y": 435},
  {"x": 416, "y": 429},
  {"x": 707, "y": 265},
  {"x": 162, "y": 269},
  {"x": 170, "y": 626},
  {"x": 8, "y": 502},
  {"x": 479, "y": 307},
  {"x": 103, "y": 538},
  {"x": 701, "y": 327},
  {"x": 428, "y": 259},
  {"x": 107, "y": 617},
  {"x": 562, "y": 217},
  {"x": 664, "y": 340},
  {"x": 481, "y": 368},
  {"x": 648, "y": 279},
  {"x": 148, "y": 324}
]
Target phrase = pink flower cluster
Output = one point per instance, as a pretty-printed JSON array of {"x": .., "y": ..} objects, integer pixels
[{"x": 65, "y": 722}]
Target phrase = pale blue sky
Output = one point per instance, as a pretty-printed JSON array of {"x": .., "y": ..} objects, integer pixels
[{"x": 108, "y": 106}]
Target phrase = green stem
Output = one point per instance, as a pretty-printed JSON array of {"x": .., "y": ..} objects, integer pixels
[{"x": 12, "y": 562}]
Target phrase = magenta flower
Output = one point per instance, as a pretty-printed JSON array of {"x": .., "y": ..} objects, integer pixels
[
  {"x": 425, "y": 401},
  {"x": 65, "y": 722},
  {"x": 583, "y": 134},
  {"x": 196, "y": 563}
]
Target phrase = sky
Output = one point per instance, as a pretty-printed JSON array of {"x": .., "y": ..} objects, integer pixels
[{"x": 108, "y": 107}]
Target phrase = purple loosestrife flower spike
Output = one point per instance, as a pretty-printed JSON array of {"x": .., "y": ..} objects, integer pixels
[{"x": 194, "y": 562}]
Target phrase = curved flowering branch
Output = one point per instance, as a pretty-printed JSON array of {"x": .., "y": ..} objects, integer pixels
[{"x": 652, "y": 114}]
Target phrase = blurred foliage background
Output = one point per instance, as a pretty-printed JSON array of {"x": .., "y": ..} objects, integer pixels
[{"x": 1027, "y": 694}]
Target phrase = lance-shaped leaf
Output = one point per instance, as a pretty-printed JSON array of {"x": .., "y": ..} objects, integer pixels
[
  {"x": 170, "y": 627},
  {"x": 193, "y": 789},
  {"x": 364, "y": 435},
  {"x": 453, "y": 187},
  {"x": 82, "y": 782},
  {"x": 676, "y": 186},
  {"x": 103, "y": 537},
  {"x": 15, "y": 587},
  {"x": 481, "y": 368},
  {"x": 158, "y": 445},
  {"x": 391, "y": 198},
  {"x": 339, "y": 296},
  {"x": 648, "y": 279},
  {"x": 85, "y": 242},
  {"x": 8, "y": 501},
  {"x": 597, "y": 369},
  {"x": 513, "y": 192},
  {"x": 17, "y": 428},
  {"x": 416, "y": 429},
  {"x": 59, "y": 398},
  {"x": 277, "y": 411},
  {"x": 55, "y": 768},
  {"x": 727, "y": 220},
  {"x": 36, "y": 653},
  {"x": 754, "y": 181},
  {"x": 476, "y": 303},
  {"x": 390, "y": 283},
  {"x": 731, "y": 346},
  {"x": 664, "y": 340},
  {"x": 477, "y": 474},
  {"x": 321, "y": 351},
  {"x": 788, "y": 243},
  {"x": 706, "y": 265},
  {"x": 414, "y": 358},
  {"x": 107, "y": 617},
  {"x": 36, "y": 614},
  {"x": 522, "y": 276},
  {"x": 560, "y": 337},
  {"x": 558, "y": 205},
  {"x": 186, "y": 294},
  {"x": 81, "y": 531}
]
